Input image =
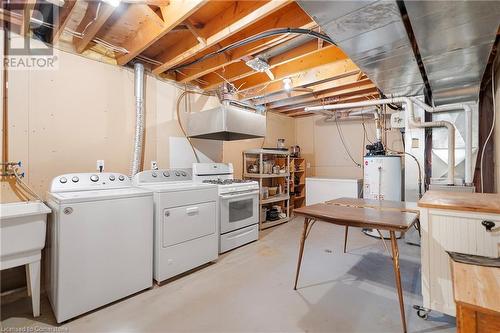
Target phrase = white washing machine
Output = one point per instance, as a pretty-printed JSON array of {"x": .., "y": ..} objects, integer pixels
[
  {"x": 100, "y": 242},
  {"x": 186, "y": 232}
]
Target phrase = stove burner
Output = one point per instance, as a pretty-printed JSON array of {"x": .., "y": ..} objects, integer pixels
[{"x": 227, "y": 181}]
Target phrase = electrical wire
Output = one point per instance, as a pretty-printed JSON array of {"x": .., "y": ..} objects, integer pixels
[
  {"x": 341, "y": 135},
  {"x": 402, "y": 153},
  {"x": 492, "y": 125},
  {"x": 179, "y": 100},
  {"x": 251, "y": 39}
]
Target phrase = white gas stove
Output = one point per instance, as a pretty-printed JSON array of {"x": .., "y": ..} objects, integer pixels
[{"x": 238, "y": 202}]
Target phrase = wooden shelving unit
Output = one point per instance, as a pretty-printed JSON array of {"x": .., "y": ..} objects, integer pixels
[
  {"x": 279, "y": 158},
  {"x": 297, "y": 182}
]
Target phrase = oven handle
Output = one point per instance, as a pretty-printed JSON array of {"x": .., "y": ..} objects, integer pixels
[{"x": 239, "y": 195}]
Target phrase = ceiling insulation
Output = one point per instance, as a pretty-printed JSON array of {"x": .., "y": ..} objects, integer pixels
[
  {"x": 454, "y": 39},
  {"x": 373, "y": 35}
]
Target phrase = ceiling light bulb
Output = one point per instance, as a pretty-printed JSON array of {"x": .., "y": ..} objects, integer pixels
[
  {"x": 114, "y": 3},
  {"x": 287, "y": 84}
]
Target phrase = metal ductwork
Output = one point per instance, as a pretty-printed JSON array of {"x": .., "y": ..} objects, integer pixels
[
  {"x": 455, "y": 40},
  {"x": 373, "y": 35},
  {"x": 226, "y": 122}
]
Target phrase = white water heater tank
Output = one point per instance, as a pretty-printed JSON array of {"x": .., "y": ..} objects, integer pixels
[{"x": 382, "y": 177}]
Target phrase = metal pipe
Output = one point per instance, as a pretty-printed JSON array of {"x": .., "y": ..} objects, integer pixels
[
  {"x": 411, "y": 122},
  {"x": 468, "y": 130},
  {"x": 139, "y": 118}
]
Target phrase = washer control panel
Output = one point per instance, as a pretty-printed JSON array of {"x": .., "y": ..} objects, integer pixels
[
  {"x": 163, "y": 175},
  {"x": 89, "y": 181}
]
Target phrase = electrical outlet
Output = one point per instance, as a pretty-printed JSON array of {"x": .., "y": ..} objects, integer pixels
[
  {"x": 415, "y": 143},
  {"x": 154, "y": 165},
  {"x": 308, "y": 165},
  {"x": 100, "y": 165}
]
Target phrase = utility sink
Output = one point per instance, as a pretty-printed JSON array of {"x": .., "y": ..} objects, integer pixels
[{"x": 22, "y": 230}]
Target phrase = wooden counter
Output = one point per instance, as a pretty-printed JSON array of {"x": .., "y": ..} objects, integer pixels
[
  {"x": 474, "y": 202},
  {"x": 476, "y": 289},
  {"x": 467, "y": 223}
]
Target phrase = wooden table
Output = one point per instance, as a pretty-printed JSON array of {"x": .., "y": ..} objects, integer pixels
[{"x": 356, "y": 215}]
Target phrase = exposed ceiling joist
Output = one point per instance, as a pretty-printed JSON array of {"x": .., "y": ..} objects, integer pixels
[
  {"x": 63, "y": 19},
  {"x": 318, "y": 75},
  {"x": 298, "y": 110},
  {"x": 95, "y": 17},
  {"x": 218, "y": 64},
  {"x": 216, "y": 31},
  {"x": 240, "y": 70},
  {"x": 320, "y": 57},
  {"x": 8, "y": 17},
  {"x": 315, "y": 88},
  {"x": 332, "y": 91},
  {"x": 152, "y": 30},
  {"x": 29, "y": 6}
]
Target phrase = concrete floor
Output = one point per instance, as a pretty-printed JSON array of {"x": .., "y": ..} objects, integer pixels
[{"x": 251, "y": 290}]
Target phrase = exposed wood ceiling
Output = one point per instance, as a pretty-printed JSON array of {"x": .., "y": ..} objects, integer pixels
[{"x": 167, "y": 34}]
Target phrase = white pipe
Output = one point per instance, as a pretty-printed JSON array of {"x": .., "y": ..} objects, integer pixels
[
  {"x": 139, "y": 118},
  {"x": 468, "y": 130},
  {"x": 411, "y": 121}
]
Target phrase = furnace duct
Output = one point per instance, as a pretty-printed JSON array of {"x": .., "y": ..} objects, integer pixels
[{"x": 139, "y": 118}]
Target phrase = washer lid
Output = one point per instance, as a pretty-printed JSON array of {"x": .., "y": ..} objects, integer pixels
[{"x": 84, "y": 196}]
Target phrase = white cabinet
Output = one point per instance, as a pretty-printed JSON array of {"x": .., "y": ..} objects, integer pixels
[{"x": 451, "y": 230}]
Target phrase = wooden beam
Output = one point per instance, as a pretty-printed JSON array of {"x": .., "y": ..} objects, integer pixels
[
  {"x": 95, "y": 17},
  {"x": 217, "y": 30},
  {"x": 319, "y": 94},
  {"x": 321, "y": 74},
  {"x": 62, "y": 19},
  {"x": 320, "y": 57},
  {"x": 315, "y": 88},
  {"x": 6, "y": 16},
  {"x": 240, "y": 70},
  {"x": 29, "y": 6},
  {"x": 223, "y": 61},
  {"x": 152, "y": 30},
  {"x": 195, "y": 32},
  {"x": 299, "y": 109}
]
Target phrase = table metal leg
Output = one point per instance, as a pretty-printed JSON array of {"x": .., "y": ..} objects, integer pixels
[
  {"x": 397, "y": 275},
  {"x": 307, "y": 221},
  {"x": 345, "y": 238}
]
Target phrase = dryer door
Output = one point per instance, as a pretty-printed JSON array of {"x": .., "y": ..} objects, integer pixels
[{"x": 185, "y": 223}]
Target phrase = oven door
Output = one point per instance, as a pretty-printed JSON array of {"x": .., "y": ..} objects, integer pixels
[{"x": 239, "y": 210}]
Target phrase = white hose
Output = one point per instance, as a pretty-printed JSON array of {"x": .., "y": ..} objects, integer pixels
[
  {"x": 139, "y": 118},
  {"x": 26, "y": 186}
]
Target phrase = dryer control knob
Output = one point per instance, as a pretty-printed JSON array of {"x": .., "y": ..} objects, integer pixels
[
  {"x": 183, "y": 173},
  {"x": 177, "y": 173},
  {"x": 112, "y": 178},
  {"x": 154, "y": 174},
  {"x": 166, "y": 174},
  {"x": 75, "y": 179},
  {"x": 121, "y": 178},
  {"x": 63, "y": 180},
  {"x": 94, "y": 178}
]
